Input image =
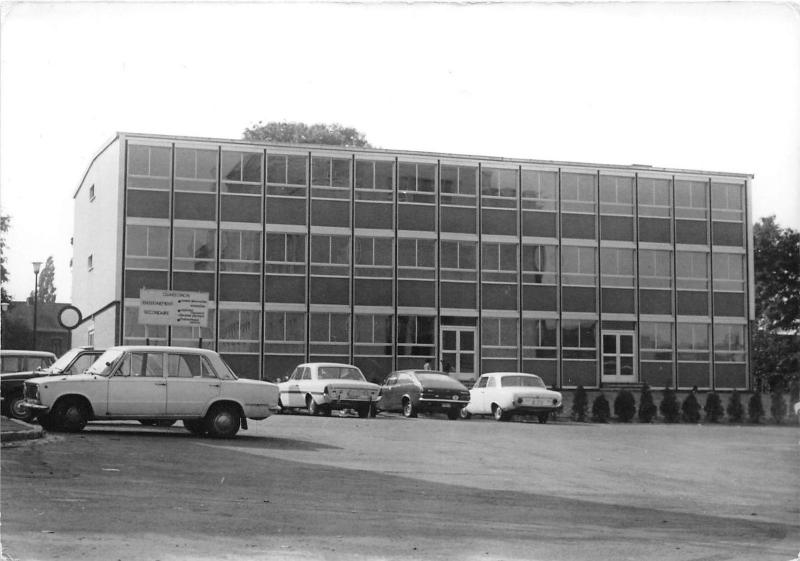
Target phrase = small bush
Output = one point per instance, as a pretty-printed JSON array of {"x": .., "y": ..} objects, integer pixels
[
  {"x": 794, "y": 390},
  {"x": 755, "y": 409},
  {"x": 670, "y": 407},
  {"x": 580, "y": 402},
  {"x": 647, "y": 409},
  {"x": 690, "y": 408},
  {"x": 735, "y": 410},
  {"x": 713, "y": 408},
  {"x": 777, "y": 406},
  {"x": 624, "y": 406},
  {"x": 601, "y": 411}
]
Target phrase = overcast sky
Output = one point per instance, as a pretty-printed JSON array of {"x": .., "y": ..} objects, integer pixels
[{"x": 710, "y": 86}]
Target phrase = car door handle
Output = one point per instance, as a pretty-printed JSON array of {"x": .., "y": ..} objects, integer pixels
[
  {"x": 213, "y": 385},
  {"x": 160, "y": 383}
]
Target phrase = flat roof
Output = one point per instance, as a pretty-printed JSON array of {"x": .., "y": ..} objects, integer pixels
[{"x": 385, "y": 151}]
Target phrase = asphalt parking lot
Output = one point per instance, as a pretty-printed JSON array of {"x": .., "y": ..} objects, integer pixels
[{"x": 297, "y": 487}]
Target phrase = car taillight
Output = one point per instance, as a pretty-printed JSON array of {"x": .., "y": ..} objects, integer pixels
[
  {"x": 519, "y": 400},
  {"x": 555, "y": 402}
]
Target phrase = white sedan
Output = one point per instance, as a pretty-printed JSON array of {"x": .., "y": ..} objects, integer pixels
[
  {"x": 503, "y": 394},
  {"x": 320, "y": 387},
  {"x": 153, "y": 385}
]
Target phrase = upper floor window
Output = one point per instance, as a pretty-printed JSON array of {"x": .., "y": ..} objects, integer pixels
[
  {"x": 539, "y": 189},
  {"x": 691, "y": 199},
  {"x": 458, "y": 184},
  {"x": 656, "y": 341},
  {"x": 287, "y": 175},
  {"x": 195, "y": 249},
  {"x": 195, "y": 170},
  {"x": 655, "y": 197},
  {"x": 655, "y": 268},
  {"x": 727, "y": 201},
  {"x": 330, "y": 250},
  {"x": 459, "y": 255},
  {"x": 616, "y": 265},
  {"x": 616, "y": 195},
  {"x": 375, "y": 175},
  {"x": 416, "y": 181},
  {"x": 241, "y": 172},
  {"x": 330, "y": 172},
  {"x": 729, "y": 343},
  {"x": 499, "y": 183},
  {"x": 149, "y": 166},
  {"x": 374, "y": 252},
  {"x": 286, "y": 248},
  {"x": 240, "y": 250},
  {"x": 542, "y": 261},
  {"x": 578, "y": 192},
  {"x": 693, "y": 342},
  {"x": 578, "y": 265},
  {"x": 691, "y": 270},
  {"x": 416, "y": 253},
  {"x": 499, "y": 257},
  {"x": 541, "y": 337},
  {"x": 146, "y": 246},
  {"x": 728, "y": 271},
  {"x": 579, "y": 339}
]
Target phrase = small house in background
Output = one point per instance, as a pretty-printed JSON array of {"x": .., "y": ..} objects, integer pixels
[{"x": 17, "y": 328}]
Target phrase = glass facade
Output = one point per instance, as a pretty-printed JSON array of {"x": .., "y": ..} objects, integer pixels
[{"x": 584, "y": 275}]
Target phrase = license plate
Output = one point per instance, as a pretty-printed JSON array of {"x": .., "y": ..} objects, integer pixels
[
  {"x": 445, "y": 405},
  {"x": 354, "y": 395}
]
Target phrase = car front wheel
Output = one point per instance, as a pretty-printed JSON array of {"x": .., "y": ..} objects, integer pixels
[
  {"x": 223, "y": 421},
  {"x": 311, "y": 405},
  {"x": 70, "y": 415},
  {"x": 464, "y": 414},
  {"x": 408, "y": 408},
  {"x": 499, "y": 414},
  {"x": 16, "y": 410}
]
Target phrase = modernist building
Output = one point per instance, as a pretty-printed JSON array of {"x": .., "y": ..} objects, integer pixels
[{"x": 582, "y": 273}]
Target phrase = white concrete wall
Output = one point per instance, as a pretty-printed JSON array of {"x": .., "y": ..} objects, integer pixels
[{"x": 98, "y": 232}]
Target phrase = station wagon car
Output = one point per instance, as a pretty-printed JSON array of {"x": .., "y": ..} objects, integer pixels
[
  {"x": 321, "y": 387},
  {"x": 24, "y": 361},
  {"x": 12, "y": 384},
  {"x": 150, "y": 383},
  {"x": 422, "y": 391},
  {"x": 503, "y": 394}
]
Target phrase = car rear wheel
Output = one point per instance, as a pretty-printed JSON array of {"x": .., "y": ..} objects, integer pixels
[
  {"x": 223, "y": 421},
  {"x": 408, "y": 408},
  {"x": 464, "y": 414},
  {"x": 499, "y": 414},
  {"x": 543, "y": 417},
  {"x": 70, "y": 415},
  {"x": 16, "y": 410},
  {"x": 195, "y": 426},
  {"x": 311, "y": 405}
]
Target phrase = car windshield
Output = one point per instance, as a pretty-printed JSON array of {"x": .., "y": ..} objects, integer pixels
[
  {"x": 340, "y": 373},
  {"x": 102, "y": 366},
  {"x": 63, "y": 362},
  {"x": 525, "y": 381},
  {"x": 227, "y": 372},
  {"x": 431, "y": 377}
]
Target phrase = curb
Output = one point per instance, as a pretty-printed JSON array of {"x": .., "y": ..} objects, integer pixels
[{"x": 14, "y": 431}]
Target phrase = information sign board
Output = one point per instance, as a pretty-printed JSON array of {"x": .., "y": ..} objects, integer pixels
[{"x": 173, "y": 307}]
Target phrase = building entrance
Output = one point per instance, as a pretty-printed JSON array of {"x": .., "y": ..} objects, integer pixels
[
  {"x": 618, "y": 357},
  {"x": 457, "y": 353}
]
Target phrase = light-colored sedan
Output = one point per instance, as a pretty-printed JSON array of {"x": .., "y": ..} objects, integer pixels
[
  {"x": 321, "y": 387},
  {"x": 503, "y": 394},
  {"x": 153, "y": 384}
]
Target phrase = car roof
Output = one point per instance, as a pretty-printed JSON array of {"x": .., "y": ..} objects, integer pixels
[
  {"x": 163, "y": 349},
  {"x": 26, "y": 353},
  {"x": 419, "y": 371},
  {"x": 510, "y": 374},
  {"x": 326, "y": 364}
]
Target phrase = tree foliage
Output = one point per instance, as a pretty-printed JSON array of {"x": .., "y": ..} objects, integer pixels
[
  {"x": 647, "y": 409},
  {"x": 670, "y": 407},
  {"x": 776, "y": 259},
  {"x": 625, "y": 406},
  {"x": 5, "y": 224},
  {"x": 601, "y": 410},
  {"x": 580, "y": 402},
  {"x": 690, "y": 408},
  {"x": 735, "y": 410},
  {"x": 713, "y": 408},
  {"x": 755, "y": 408},
  {"x": 301, "y": 133},
  {"x": 47, "y": 287}
]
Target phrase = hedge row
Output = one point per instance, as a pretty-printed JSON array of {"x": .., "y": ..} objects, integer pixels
[{"x": 673, "y": 411}]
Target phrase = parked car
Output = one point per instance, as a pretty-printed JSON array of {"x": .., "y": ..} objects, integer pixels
[
  {"x": 153, "y": 384},
  {"x": 422, "y": 391},
  {"x": 23, "y": 361},
  {"x": 503, "y": 394},
  {"x": 321, "y": 387},
  {"x": 12, "y": 384}
]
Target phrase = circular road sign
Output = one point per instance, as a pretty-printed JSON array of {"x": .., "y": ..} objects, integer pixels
[{"x": 69, "y": 317}]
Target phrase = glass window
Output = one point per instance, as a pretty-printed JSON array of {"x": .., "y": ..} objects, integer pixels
[
  {"x": 616, "y": 195},
  {"x": 499, "y": 183},
  {"x": 373, "y": 329},
  {"x": 374, "y": 251},
  {"x": 728, "y": 272},
  {"x": 285, "y": 327},
  {"x": 330, "y": 172},
  {"x": 195, "y": 170},
  {"x": 149, "y": 166},
  {"x": 241, "y": 172},
  {"x": 727, "y": 201},
  {"x": 541, "y": 260},
  {"x": 374, "y": 175},
  {"x": 693, "y": 342},
  {"x": 540, "y": 338},
  {"x": 655, "y": 341},
  {"x": 459, "y": 255},
  {"x": 616, "y": 265},
  {"x": 579, "y": 339},
  {"x": 729, "y": 343},
  {"x": 578, "y": 192},
  {"x": 415, "y": 335},
  {"x": 333, "y": 250},
  {"x": 578, "y": 266},
  {"x": 184, "y": 366},
  {"x": 499, "y": 337},
  {"x": 240, "y": 250},
  {"x": 150, "y": 365},
  {"x": 239, "y": 331},
  {"x": 539, "y": 189},
  {"x": 286, "y": 248},
  {"x": 499, "y": 257},
  {"x": 458, "y": 180},
  {"x": 691, "y": 199},
  {"x": 195, "y": 249},
  {"x": 655, "y": 197},
  {"x": 146, "y": 247},
  {"x": 655, "y": 268},
  {"x": 287, "y": 175},
  {"x": 416, "y": 253},
  {"x": 691, "y": 270}
]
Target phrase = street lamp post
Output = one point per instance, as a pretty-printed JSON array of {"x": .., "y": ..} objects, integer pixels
[{"x": 36, "y": 266}]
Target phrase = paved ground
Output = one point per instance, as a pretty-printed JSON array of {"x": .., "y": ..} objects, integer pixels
[{"x": 295, "y": 487}]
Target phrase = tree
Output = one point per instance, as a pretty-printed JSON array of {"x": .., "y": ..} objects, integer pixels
[
  {"x": 735, "y": 409},
  {"x": 776, "y": 343},
  {"x": 601, "y": 410},
  {"x": 625, "y": 406},
  {"x": 690, "y": 408},
  {"x": 670, "y": 407},
  {"x": 5, "y": 223},
  {"x": 301, "y": 133},
  {"x": 647, "y": 409},
  {"x": 47, "y": 288},
  {"x": 579, "y": 403},
  {"x": 713, "y": 408},
  {"x": 755, "y": 408}
]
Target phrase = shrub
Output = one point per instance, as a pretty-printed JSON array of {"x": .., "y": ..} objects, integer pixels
[
  {"x": 755, "y": 409},
  {"x": 647, "y": 409},
  {"x": 601, "y": 411},
  {"x": 624, "y": 406},
  {"x": 735, "y": 409},
  {"x": 579, "y": 404},
  {"x": 670, "y": 407},
  {"x": 690, "y": 408},
  {"x": 713, "y": 408},
  {"x": 777, "y": 406}
]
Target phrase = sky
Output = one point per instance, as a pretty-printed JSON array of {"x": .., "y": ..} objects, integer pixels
[{"x": 707, "y": 86}]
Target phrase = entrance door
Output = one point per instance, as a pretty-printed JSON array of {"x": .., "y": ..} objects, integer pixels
[
  {"x": 458, "y": 351},
  {"x": 618, "y": 357}
]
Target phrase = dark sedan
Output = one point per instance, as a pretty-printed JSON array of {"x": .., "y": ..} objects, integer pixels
[{"x": 422, "y": 391}]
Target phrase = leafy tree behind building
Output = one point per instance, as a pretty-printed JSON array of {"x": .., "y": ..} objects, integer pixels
[
  {"x": 47, "y": 287},
  {"x": 301, "y": 133}
]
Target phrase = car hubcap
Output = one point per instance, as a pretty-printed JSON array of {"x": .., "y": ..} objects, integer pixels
[
  {"x": 18, "y": 410},
  {"x": 223, "y": 422}
]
